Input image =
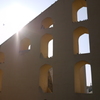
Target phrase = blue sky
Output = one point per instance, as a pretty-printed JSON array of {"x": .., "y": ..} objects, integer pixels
[{"x": 34, "y": 5}]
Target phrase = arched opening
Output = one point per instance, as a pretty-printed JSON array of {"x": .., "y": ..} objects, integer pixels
[
  {"x": 1, "y": 73},
  {"x": 47, "y": 44},
  {"x": 50, "y": 49},
  {"x": 46, "y": 78},
  {"x": 81, "y": 41},
  {"x": 83, "y": 77},
  {"x": 82, "y": 14},
  {"x": 25, "y": 45},
  {"x": 2, "y": 57},
  {"x": 47, "y": 23},
  {"x": 76, "y": 5}
]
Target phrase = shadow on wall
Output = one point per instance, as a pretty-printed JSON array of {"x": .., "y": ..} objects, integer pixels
[
  {"x": 2, "y": 57},
  {"x": 1, "y": 74}
]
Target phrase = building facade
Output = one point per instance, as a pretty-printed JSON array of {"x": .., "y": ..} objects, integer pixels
[{"x": 28, "y": 72}]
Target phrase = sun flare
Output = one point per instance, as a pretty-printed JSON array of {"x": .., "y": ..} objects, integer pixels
[{"x": 12, "y": 19}]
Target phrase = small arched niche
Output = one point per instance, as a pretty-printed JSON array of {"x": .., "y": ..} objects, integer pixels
[
  {"x": 2, "y": 57},
  {"x": 78, "y": 5},
  {"x": 81, "y": 41},
  {"x": 25, "y": 45},
  {"x": 46, "y": 78},
  {"x": 47, "y": 23},
  {"x": 46, "y": 48},
  {"x": 83, "y": 77},
  {"x": 1, "y": 73}
]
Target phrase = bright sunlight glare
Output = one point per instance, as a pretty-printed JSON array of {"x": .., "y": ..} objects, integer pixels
[{"x": 12, "y": 19}]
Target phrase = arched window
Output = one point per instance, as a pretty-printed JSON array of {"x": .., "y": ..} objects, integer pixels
[
  {"x": 82, "y": 14},
  {"x": 46, "y": 78},
  {"x": 25, "y": 45},
  {"x": 84, "y": 46},
  {"x": 78, "y": 4},
  {"x": 1, "y": 73},
  {"x": 81, "y": 41},
  {"x": 47, "y": 23},
  {"x": 2, "y": 57},
  {"x": 83, "y": 77},
  {"x": 47, "y": 44}
]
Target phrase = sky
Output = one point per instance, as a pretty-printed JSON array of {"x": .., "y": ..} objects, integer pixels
[{"x": 14, "y": 14}]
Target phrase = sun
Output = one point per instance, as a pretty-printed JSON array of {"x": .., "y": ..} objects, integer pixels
[{"x": 12, "y": 19}]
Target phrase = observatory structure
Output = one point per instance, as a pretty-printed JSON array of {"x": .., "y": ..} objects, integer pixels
[{"x": 29, "y": 72}]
